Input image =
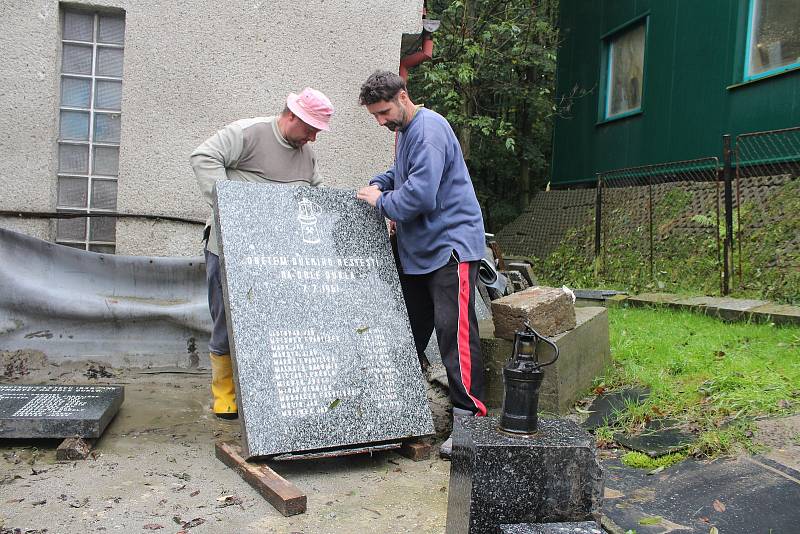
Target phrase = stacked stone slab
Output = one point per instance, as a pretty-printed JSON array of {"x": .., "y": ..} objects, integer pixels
[{"x": 548, "y": 310}]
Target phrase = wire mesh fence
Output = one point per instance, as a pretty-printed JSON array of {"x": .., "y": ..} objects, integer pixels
[
  {"x": 766, "y": 216},
  {"x": 659, "y": 227}
]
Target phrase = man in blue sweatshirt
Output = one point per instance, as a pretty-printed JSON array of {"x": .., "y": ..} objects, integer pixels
[{"x": 429, "y": 199}]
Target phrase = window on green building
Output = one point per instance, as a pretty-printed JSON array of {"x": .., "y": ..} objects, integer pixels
[
  {"x": 773, "y": 37},
  {"x": 625, "y": 70}
]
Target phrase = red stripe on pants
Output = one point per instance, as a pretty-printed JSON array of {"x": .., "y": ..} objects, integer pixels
[{"x": 464, "y": 353}]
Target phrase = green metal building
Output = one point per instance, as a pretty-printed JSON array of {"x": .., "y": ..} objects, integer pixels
[{"x": 655, "y": 81}]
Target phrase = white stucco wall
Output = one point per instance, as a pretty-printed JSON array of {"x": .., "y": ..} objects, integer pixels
[{"x": 190, "y": 68}]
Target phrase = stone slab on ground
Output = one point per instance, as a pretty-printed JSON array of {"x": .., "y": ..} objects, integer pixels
[
  {"x": 498, "y": 479},
  {"x": 583, "y": 527},
  {"x": 782, "y": 314},
  {"x": 652, "y": 299},
  {"x": 549, "y": 310},
  {"x": 605, "y": 409},
  {"x": 659, "y": 437},
  {"x": 744, "y": 494},
  {"x": 584, "y": 355},
  {"x": 319, "y": 332},
  {"x": 595, "y": 297},
  {"x": 725, "y": 308},
  {"x": 57, "y": 411}
]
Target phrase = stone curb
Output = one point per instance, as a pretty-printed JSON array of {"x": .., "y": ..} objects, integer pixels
[{"x": 725, "y": 308}]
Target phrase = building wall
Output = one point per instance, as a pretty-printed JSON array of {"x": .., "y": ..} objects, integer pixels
[
  {"x": 692, "y": 91},
  {"x": 189, "y": 69}
]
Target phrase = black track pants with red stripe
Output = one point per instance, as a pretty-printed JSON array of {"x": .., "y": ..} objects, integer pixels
[{"x": 445, "y": 300}]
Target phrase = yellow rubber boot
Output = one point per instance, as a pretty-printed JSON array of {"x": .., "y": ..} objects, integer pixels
[{"x": 222, "y": 386}]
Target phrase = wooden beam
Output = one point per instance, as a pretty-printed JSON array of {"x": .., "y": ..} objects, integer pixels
[
  {"x": 280, "y": 493},
  {"x": 415, "y": 449}
]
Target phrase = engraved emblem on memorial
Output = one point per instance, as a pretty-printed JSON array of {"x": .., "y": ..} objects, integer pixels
[
  {"x": 57, "y": 411},
  {"x": 318, "y": 328},
  {"x": 308, "y": 221}
]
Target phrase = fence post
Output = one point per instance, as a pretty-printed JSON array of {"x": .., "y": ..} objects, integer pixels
[
  {"x": 727, "y": 247},
  {"x": 598, "y": 216}
]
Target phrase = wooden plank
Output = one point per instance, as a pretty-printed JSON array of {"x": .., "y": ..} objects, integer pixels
[
  {"x": 415, "y": 449},
  {"x": 279, "y": 492},
  {"x": 74, "y": 449}
]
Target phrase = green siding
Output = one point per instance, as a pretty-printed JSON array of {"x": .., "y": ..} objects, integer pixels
[{"x": 694, "y": 55}]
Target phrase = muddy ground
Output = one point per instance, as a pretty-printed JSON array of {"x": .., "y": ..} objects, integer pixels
[{"x": 154, "y": 470}]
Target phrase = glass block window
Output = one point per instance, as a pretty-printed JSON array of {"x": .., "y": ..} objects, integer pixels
[
  {"x": 89, "y": 127},
  {"x": 773, "y": 37},
  {"x": 625, "y": 71}
]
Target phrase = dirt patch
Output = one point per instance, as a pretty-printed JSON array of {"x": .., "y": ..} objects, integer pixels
[
  {"x": 781, "y": 435},
  {"x": 18, "y": 363}
]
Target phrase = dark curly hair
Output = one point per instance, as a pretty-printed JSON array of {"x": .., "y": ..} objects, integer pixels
[{"x": 381, "y": 85}]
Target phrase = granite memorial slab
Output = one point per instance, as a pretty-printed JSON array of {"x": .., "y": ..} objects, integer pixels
[
  {"x": 319, "y": 333},
  {"x": 51, "y": 411},
  {"x": 499, "y": 479}
]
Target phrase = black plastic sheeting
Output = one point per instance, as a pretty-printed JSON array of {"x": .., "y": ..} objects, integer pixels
[{"x": 127, "y": 311}]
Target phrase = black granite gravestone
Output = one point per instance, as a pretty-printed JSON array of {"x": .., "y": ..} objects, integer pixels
[
  {"x": 318, "y": 327},
  {"x": 499, "y": 479},
  {"x": 57, "y": 411}
]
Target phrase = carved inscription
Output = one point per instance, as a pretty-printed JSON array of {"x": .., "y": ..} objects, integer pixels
[
  {"x": 314, "y": 275},
  {"x": 310, "y": 379},
  {"x": 50, "y": 401}
]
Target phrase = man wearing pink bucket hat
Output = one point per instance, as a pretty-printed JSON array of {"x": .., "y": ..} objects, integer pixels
[{"x": 261, "y": 149}]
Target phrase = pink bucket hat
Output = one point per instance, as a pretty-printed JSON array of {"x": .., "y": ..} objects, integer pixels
[{"x": 312, "y": 107}]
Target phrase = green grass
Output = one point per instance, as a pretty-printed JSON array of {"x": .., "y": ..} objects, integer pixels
[
  {"x": 714, "y": 377},
  {"x": 642, "y": 461}
]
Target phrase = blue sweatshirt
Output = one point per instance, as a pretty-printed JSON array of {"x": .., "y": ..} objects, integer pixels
[{"x": 429, "y": 194}]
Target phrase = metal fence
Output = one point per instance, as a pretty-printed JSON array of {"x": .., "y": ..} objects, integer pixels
[
  {"x": 658, "y": 227},
  {"x": 766, "y": 215},
  {"x": 705, "y": 225}
]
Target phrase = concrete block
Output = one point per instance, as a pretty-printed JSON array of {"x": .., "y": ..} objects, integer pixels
[
  {"x": 585, "y": 354},
  {"x": 776, "y": 313},
  {"x": 549, "y": 311}
]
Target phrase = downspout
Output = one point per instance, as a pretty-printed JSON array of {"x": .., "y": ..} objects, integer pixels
[{"x": 412, "y": 60}]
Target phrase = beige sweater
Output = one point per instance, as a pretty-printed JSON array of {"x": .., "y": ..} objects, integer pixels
[{"x": 250, "y": 150}]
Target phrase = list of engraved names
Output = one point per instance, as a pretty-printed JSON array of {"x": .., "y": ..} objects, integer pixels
[
  {"x": 50, "y": 401},
  {"x": 311, "y": 380}
]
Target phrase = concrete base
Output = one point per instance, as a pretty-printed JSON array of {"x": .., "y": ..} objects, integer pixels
[
  {"x": 497, "y": 479},
  {"x": 584, "y": 355}
]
